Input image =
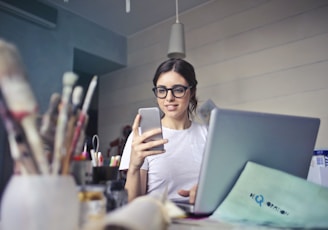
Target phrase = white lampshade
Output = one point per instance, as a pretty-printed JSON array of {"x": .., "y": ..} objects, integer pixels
[{"x": 177, "y": 48}]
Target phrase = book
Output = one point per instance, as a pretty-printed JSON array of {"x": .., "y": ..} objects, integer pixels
[{"x": 266, "y": 196}]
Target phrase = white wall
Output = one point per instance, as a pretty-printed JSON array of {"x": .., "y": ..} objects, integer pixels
[{"x": 259, "y": 55}]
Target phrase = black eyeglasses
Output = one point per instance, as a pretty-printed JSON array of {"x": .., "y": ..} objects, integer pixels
[{"x": 178, "y": 91}]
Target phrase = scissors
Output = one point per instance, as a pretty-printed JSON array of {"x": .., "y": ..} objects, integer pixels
[{"x": 95, "y": 143}]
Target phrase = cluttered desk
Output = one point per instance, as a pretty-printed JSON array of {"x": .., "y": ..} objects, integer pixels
[
  {"x": 235, "y": 191},
  {"x": 274, "y": 200},
  {"x": 253, "y": 174}
]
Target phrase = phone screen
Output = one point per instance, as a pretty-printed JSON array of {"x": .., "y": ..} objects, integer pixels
[{"x": 150, "y": 119}]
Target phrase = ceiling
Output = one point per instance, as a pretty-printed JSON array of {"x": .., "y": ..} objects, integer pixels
[{"x": 112, "y": 14}]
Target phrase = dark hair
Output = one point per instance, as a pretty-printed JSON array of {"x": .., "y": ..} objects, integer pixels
[{"x": 186, "y": 70}]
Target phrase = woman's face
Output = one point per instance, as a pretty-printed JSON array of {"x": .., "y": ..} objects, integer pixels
[{"x": 175, "y": 108}]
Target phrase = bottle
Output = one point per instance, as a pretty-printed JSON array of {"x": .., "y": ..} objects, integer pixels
[
  {"x": 117, "y": 195},
  {"x": 92, "y": 203}
]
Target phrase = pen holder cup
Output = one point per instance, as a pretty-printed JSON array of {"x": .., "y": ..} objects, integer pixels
[
  {"x": 40, "y": 202},
  {"x": 102, "y": 174},
  {"x": 82, "y": 172}
]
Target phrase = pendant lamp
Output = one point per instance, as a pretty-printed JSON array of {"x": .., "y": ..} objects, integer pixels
[{"x": 177, "y": 48}]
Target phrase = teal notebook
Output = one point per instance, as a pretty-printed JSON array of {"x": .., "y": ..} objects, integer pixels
[{"x": 265, "y": 196}]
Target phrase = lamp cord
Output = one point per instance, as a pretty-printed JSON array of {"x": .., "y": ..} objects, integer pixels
[
  {"x": 127, "y": 6},
  {"x": 177, "y": 11}
]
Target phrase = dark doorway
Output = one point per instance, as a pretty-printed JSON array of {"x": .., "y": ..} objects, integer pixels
[{"x": 86, "y": 66}]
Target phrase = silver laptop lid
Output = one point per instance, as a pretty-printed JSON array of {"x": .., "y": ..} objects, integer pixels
[{"x": 282, "y": 142}]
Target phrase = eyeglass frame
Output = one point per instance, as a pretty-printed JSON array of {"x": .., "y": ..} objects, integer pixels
[{"x": 172, "y": 88}]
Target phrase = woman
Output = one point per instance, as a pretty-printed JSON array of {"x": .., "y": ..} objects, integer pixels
[{"x": 177, "y": 167}]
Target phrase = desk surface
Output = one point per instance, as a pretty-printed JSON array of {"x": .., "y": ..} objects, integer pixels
[
  {"x": 189, "y": 224},
  {"x": 200, "y": 226}
]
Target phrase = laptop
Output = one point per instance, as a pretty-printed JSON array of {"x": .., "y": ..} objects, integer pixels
[{"x": 277, "y": 141}]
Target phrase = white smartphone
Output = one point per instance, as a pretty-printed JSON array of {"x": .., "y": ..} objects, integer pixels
[{"x": 151, "y": 119}]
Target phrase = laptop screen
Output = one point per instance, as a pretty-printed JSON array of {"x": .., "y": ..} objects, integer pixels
[{"x": 281, "y": 142}]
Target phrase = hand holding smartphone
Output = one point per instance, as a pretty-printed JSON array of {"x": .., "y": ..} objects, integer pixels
[{"x": 150, "y": 119}]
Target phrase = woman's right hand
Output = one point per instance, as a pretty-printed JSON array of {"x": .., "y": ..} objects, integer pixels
[
  {"x": 140, "y": 148},
  {"x": 189, "y": 193}
]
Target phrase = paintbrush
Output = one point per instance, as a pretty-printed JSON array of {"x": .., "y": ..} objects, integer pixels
[
  {"x": 20, "y": 100},
  {"x": 49, "y": 117},
  {"x": 77, "y": 98},
  {"x": 18, "y": 147},
  {"x": 48, "y": 124},
  {"x": 76, "y": 102},
  {"x": 69, "y": 80},
  {"x": 80, "y": 124},
  {"x": 80, "y": 142}
]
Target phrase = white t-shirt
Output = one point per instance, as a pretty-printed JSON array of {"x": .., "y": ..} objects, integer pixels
[{"x": 177, "y": 168}]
